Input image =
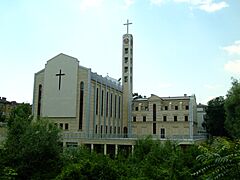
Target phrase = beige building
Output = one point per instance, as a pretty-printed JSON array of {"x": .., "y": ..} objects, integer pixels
[{"x": 101, "y": 112}]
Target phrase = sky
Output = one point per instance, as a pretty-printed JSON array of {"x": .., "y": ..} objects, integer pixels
[{"x": 180, "y": 46}]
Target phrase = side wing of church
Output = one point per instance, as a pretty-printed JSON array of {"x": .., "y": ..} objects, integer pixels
[{"x": 101, "y": 111}]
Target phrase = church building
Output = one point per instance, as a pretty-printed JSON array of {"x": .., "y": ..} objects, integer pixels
[{"x": 102, "y": 111}]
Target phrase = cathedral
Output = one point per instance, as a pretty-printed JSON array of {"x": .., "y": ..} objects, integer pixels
[{"x": 102, "y": 112}]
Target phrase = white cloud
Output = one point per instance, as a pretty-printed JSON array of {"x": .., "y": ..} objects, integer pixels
[
  {"x": 233, "y": 49},
  {"x": 210, "y": 6},
  {"x": 128, "y": 3},
  {"x": 86, "y": 4},
  {"x": 233, "y": 67},
  {"x": 204, "y": 5}
]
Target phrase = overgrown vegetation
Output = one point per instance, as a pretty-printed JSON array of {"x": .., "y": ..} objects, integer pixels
[{"x": 32, "y": 151}]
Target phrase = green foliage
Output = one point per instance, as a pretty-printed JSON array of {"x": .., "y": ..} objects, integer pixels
[
  {"x": 220, "y": 160},
  {"x": 215, "y": 117},
  {"x": 81, "y": 164},
  {"x": 32, "y": 147},
  {"x": 232, "y": 107},
  {"x": 156, "y": 160}
]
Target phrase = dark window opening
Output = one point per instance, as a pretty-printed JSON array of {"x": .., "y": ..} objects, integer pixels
[
  {"x": 81, "y": 105},
  {"x": 134, "y": 118},
  {"x": 125, "y": 69},
  {"x": 97, "y": 102},
  {"x": 175, "y": 118},
  {"x": 126, "y": 59},
  {"x": 144, "y": 118},
  {"x": 136, "y": 108},
  {"x": 162, "y": 133},
  {"x": 186, "y": 118},
  {"x": 102, "y": 104},
  {"x": 66, "y": 126},
  {"x": 187, "y": 107},
  {"x": 166, "y": 107},
  {"x": 164, "y": 118},
  {"x": 154, "y": 112},
  {"x": 39, "y": 100},
  {"x": 176, "y": 107},
  {"x": 154, "y": 128}
]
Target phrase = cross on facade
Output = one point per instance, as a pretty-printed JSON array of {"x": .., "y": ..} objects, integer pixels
[
  {"x": 60, "y": 74},
  {"x": 127, "y": 24}
]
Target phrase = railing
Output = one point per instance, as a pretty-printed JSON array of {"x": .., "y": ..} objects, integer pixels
[{"x": 80, "y": 135}]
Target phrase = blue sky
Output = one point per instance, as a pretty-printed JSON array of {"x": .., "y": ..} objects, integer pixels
[{"x": 180, "y": 46}]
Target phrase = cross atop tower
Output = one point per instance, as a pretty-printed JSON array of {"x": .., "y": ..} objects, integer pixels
[{"x": 128, "y": 23}]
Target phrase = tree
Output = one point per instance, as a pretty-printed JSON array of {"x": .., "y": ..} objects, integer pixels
[
  {"x": 215, "y": 117},
  {"x": 220, "y": 160},
  {"x": 32, "y": 147},
  {"x": 232, "y": 107}
]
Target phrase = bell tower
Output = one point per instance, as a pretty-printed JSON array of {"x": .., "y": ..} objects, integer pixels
[{"x": 127, "y": 80}]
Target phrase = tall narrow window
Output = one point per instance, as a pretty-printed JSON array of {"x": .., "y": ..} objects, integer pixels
[
  {"x": 175, "y": 118},
  {"x": 176, "y": 107},
  {"x": 187, "y": 107},
  {"x": 102, "y": 104},
  {"x": 115, "y": 107},
  {"x": 107, "y": 105},
  {"x": 111, "y": 105},
  {"x": 144, "y": 118},
  {"x": 39, "y": 100},
  {"x": 66, "y": 126},
  {"x": 96, "y": 129},
  {"x": 186, "y": 118},
  {"x": 162, "y": 135},
  {"x": 164, "y": 118},
  {"x": 119, "y": 107},
  {"x": 97, "y": 103},
  {"x": 81, "y": 105},
  {"x": 154, "y": 112},
  {"x": 154, "y": 128}
]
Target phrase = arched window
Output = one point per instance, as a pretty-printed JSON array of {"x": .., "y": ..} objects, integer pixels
[
  {"x": 81, "y": 105},
  {"x": 39, "y": 100}
]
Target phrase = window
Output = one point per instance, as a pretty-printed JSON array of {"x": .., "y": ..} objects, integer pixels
[
  {"x": 162, "y": 135},
  {"x": 111, "y": 105},
  {"x": 175, "y": 118},
  {"x": 176, "y": 107},
  {"x": 110, "y": 129},
  {"x": 154, "y": 112},
  {"x": 126, "y": 50},
  {"x": 115, "y": 107},
  {"x": 66, "y": 126},
  {"x": 101, "y": 129},
  {"x": 107, "y": 105},
  {"x": 144, "y": 118},
  {"x": 187, "y": 107},
  {"x": 96, "y": 129},
  {"x": 119, "y": 107},
  {"x": 134, "y": 118},
  {"x": 136, "y": 108},
  {"x": 186, "y": 118},
  {"x": 126, "y": 59},
  {"x": 106, "y": 130},
  {"x": 125, "y": 69},
  {"x": 154, "y": 128},
  {"x": 39, "y": 100},
  {"x": 61, "y": 125},
  {"x": 166, "y": 107},
  {"x": 115, "y": 130},
  {"x": 97, "y": 102},
  {"x": 164, "y": 118},
  {"x": 102, "y": 103},
  {"x": 81, "y": 105},
  {"x": 125, "y": 79}
]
